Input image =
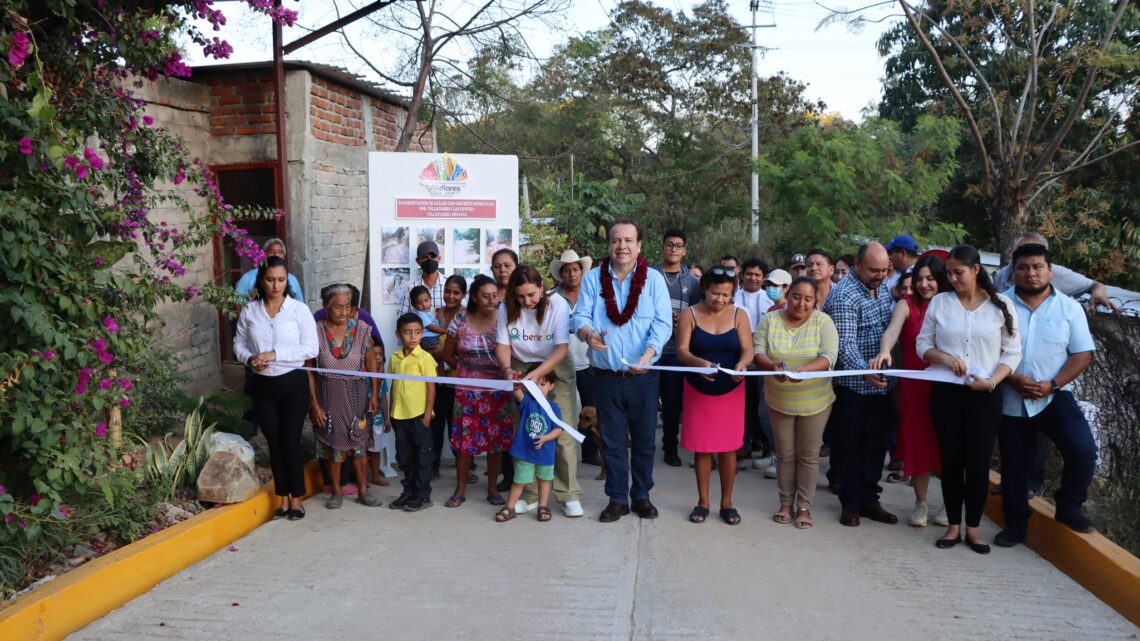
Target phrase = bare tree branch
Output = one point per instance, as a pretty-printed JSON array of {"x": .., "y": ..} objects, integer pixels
[{"x": 1052, "y": 178}]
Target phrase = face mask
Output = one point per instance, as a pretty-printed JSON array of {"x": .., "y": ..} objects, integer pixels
[
  {"x": 429, "y": 266},
  {"x": 773, "y": 293}
]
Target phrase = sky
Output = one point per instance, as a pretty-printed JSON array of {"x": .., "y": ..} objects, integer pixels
[{"x": 839, "y": 65}]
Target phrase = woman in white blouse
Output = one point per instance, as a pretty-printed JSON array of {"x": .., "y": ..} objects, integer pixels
[
  {"x": 534, "y": 327},
  {"x": 972, "y": 332},
  {"x": 275, "y": 335}
]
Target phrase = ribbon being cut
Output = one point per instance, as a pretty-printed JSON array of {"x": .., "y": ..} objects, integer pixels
[
  {"x": 503, "y": 386},
  {"x": 937, "y": 376}
]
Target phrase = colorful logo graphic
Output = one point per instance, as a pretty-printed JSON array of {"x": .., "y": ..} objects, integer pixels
[{"x": 444, "y": 176}]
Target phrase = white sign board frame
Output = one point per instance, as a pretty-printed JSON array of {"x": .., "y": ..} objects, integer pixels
[{"x": 467, "y": 203}]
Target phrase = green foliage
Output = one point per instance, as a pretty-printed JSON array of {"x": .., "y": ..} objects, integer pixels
[
  {"x": 225, "y": 411},
  {"x": 583, "y": 209},
  {"x": 176, "y": 467},
  {"x": 158, "y": 402},
  {"x": 834, "y": 186}
]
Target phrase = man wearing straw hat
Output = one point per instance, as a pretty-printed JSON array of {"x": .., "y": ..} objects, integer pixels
[{"x": 567, "y": 271}]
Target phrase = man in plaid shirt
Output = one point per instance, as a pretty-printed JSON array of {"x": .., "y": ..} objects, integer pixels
[{"x": 861, "y": 307}]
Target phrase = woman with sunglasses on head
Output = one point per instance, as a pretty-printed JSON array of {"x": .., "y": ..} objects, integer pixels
[
  {"x": 714, "y": 333},
  {"x": 972, "y": 332}
]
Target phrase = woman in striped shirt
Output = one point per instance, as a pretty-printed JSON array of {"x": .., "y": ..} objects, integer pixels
[{"x": 797, "y": 339}]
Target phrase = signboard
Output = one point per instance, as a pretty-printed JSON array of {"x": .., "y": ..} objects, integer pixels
[{"x": 467, "y": 203}]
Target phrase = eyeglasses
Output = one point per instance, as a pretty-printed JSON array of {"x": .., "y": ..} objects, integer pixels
[
  {"x": 674, "y": 245},
  {"x": 723, "y": 271}
]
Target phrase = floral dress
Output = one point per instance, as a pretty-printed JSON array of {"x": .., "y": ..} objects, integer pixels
[
  {"x": 343, "y": 397},
  {"x": 481, "y": 419}
]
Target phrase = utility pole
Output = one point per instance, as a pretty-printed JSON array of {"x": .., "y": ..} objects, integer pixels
[{"x": 754, "y": 5}]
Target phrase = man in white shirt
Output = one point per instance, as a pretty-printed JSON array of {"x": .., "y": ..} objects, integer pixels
[
  {"x": 1065, "y": 280},
  {"x": 427, "y": 257},
  {"x": 751, "y": 298}
]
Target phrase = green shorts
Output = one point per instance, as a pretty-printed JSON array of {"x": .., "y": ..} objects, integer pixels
[{"x": 525, "y": 471}]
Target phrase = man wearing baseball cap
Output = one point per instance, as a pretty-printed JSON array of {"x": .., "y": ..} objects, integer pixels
[
  {"x": 903, "y": 251},
  {"x": 799, "y": 266},
  {"x": 427, "y": 257}
]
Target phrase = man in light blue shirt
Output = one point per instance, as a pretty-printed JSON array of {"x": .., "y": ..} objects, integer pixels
[
  {"x": 1056, "y": 348},
  {"x": 248, "y": 280},
  {"x": 624, "y": 314}
]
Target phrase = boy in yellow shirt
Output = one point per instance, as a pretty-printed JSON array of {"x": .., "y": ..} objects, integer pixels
[{"x": 410, "y": 414}]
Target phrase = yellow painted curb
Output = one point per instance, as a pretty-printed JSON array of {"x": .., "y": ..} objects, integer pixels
[
  {"x": 95, "y": 589},
  {"x": 1099, "y": 565}
]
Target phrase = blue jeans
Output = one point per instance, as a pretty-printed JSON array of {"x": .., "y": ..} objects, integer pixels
[
  {"x": 1064, "y": 423},
  {"x": 627, "y": 403}
]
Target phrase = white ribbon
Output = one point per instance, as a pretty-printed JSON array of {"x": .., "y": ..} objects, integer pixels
[
  {"x": 933, "y": 375},
  {"x": 485, "y": 383}
]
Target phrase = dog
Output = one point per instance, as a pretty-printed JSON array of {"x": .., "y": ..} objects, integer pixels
[{"x": 588, "y": 425}]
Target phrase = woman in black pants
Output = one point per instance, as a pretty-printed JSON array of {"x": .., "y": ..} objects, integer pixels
[
  {"x": 275, "y": 335},
  {"x": 972, "y": 332}
]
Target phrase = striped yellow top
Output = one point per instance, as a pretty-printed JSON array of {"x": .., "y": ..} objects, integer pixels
[{"x": 796, "y": 347}]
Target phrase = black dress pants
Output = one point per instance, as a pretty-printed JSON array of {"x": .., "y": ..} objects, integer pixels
[
  {"x": 966, "y": 423},
  {"x": 281, "y": 403}
]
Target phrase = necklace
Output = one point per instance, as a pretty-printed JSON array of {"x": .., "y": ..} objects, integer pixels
[
  {"x": 610, "y": 297},
  {"x": 670, "y": 281},
  {"x": 342, "y": 350}
]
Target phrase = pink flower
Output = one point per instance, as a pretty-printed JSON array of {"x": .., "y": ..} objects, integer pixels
[
  {"x": 126, "y": 384},
  {"x": 106, "y": 357},
  {"x": 101, "y": 429},
  {"x": 65, "y": 511},
  {"x": 191, "y": 292},
  {"x": 19, "y": 51},
  {"x": 124, "y": 402},
  {"x": 148, "y": 120},
  {"x": 26, "y": 146},
  {"x": 99, "y": 260},
  {"x": 49, "y": 355},
  {"x": 34, "y": 499},
  {"x": 105, "y": 384},
  {"x": 22, "y": 524},
  {"x": 3, "y": 489},
  {"x": 8, "y": 518},
  {"x": 71, "y": 162},
  {"x": 84, "y": 378},
  {"x": 111, "y": 325},
  {"x": 81, "y": 172}
]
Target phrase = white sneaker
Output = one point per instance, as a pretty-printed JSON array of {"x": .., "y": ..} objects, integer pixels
[
  {"x": 572, "y": 508},
  {"x": 918, "y": 516},
  {"x": 940, "y": 517},
  {"x": 770, "y": 473},
  {"x": 759, "y": 463},
  {"x": 522, "y": 507}
]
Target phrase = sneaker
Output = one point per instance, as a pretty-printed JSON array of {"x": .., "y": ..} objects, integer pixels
[
  {"x": 572, "y": 508},
  {"x": 417, "y": 503},
  {"x": 760, "y": 463},
  {"x": 940, "y": 517},
  {"x": 770, "y": 473},
  {"x": 522, "y": 507},
  {"x": 918, "y": 517},
  {"x": 400, "y": 502}
]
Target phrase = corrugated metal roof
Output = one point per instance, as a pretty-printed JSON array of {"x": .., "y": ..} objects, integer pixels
[{"x": 339, "y": 75}]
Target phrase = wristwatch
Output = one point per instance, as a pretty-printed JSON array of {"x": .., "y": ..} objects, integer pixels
[{"x": 1056, "y": 387}]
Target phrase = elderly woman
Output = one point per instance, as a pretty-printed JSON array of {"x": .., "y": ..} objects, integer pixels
[
  {"x": 275, "y": 335},
  {"x": 339, "y": 404},
  {"x": 798, "y": 338},
  {"x": 714, "y": 332},
  {"x": 534, "y": 327},
  {"x": 503, "y": 264},
  {"x": 481, "y": 419}
]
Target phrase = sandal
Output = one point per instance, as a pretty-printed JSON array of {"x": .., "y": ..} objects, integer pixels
[
  {"x": 803, "y": 519},
  {"x": 544, "y": 514},
  {"x": 896, "y": 477},
  {"x": 783, "y": 517},
  {"x": 455, "y": 501},
  {"x": 730, "y": 515},
  {"x": 699, "y": 514},
  {"x": 504, "y": 515},
  {"x": 496, "y": 499}
]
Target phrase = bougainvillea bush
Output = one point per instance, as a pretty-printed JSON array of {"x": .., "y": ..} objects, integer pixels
[{"x": 84, "y": 261}]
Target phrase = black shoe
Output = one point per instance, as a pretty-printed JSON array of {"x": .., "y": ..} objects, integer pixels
[
  {"x": 296, "y": 515},
  {"x": 280, "y": 513},
  {"x": 672, "y": 460},
  {"x": 644, "y": 509},
  {"x": 613, "y": 512},
  {"x": 1076, "y": 521},
  {"x": 980, "y": 548},
  {"x": 946, "y": 544},
  {"x": 895, "y": 465},
  {"x": 417, "y": 503},
  {"x": 504, "y": 485},
  {"x": 878, "y": 514},
  {"x": 399, "y": 503},
  {"x": 593, "y": 459},
  {"x": 1008, "y": 538},
  {"x": 849, "y": 516}
]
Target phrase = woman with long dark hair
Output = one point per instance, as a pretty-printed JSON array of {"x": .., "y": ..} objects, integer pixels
[
  {"x": 276, "y": 334},
  {"x": 918, "y": 443},
  {"x": 454, "y": 289},
  {"x": 971, "y": 332}
]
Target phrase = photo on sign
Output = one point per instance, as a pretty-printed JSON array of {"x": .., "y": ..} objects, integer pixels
[
  {"x": 465, "y": 249},
  {"x": 395, "y": 284},
  {"x": 394, "y": 245},
  {"x": 468, "y": 273},
  {"x": 437, "y": 234},
  {"x": 497, "y": 239}
]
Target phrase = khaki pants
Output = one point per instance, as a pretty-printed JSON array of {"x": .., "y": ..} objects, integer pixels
[
  {"x": 565, "y": 487},
  {"x": 798, "y": 439}
]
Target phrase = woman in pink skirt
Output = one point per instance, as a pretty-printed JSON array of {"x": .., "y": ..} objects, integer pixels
[{"x": 714, "y": 332}]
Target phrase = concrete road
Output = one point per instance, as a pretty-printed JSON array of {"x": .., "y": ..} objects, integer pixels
[{"x": 374, "y": 573}]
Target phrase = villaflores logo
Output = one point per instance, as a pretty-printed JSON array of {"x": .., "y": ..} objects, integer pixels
[{"x": 444, "y": 176}]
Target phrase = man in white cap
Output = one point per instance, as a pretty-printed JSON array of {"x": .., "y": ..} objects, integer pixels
[
  {"x": 567, "y": 271},
  {"x": 427, "y": 257}
]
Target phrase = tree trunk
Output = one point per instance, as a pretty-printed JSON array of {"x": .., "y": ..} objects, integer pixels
[
  {"x": 1013, "y": 221},
  {"x": 411, "y": 123}
]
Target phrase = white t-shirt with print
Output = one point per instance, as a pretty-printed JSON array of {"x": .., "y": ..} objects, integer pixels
[{"x": 531, "y": 342}]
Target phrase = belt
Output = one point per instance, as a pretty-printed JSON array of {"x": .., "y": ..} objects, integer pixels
[{"x": 610, "y": 372}]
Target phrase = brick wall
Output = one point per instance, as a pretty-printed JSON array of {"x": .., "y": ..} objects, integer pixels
[
  {"x": 387, "y": 124},
  {"x": 336, "y": 114},
  {"x": 241, "y": 105}
]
